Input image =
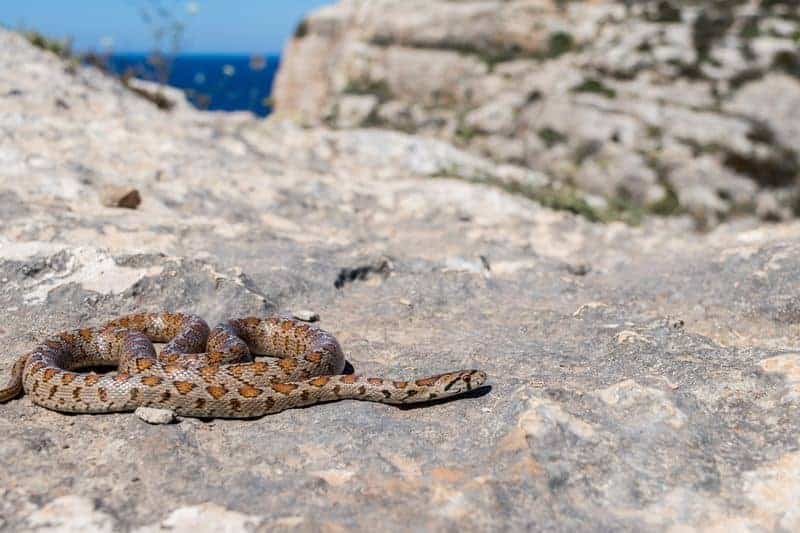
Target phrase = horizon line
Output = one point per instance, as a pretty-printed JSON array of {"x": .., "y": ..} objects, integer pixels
[{"x": 192, "y": 53}]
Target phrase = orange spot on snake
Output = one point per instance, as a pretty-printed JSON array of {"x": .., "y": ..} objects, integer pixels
[
  {"x": 143, "y": 364},
  {"x": 313, "y": 357},
  {"x": 66, "y": 378},
  {"x": 259, "y": 368},
  {"x": 375, "y": 381},
  {"x": 91, "y": 379},
  {"x": 248, "y": 391},
  {"x": 350, "y": 378},
  {"x": 400, "y": 384},
  {"x": 215, "y": 358},
  {"x": 172, "y": 369},
  {"x": 122, "y": 377},
  {"x": 426, "y": 382},
  {"x": 283, "y": 388},
  {"x": 236, "y": 370},
  {"x": 320, "y": 381},
  {"x": 184, "y": 387},
  {"x": 288, "y": 365},
  {"x": 208, "y": 372},
  {"x": 151, "y": 381},
  {"x": 48, "y": 374},
  {"x": 217, "y": 391}
]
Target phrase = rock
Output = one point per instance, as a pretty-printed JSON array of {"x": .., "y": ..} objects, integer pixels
[
  {"x": 769, "y": 208},
  {"x": 206, "y": 517},
  {"x": 605, "y": 411},
  {"x": 305, "y": 315},
  {"x": 354, "y": 110},
  {"x": 152, "y": 415},
  {"x": 70, "y": 513},
  {"x": 162, "y": 96},
  {"x": 774, "y": 100},
  {"x": 588, "y": 93},
  {"x": 126, "y": 197}
]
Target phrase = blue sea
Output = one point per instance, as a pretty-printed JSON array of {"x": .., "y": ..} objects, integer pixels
[{"x": 213, "y": 82}]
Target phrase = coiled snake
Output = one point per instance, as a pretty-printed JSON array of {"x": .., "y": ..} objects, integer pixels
[{"x": 224, "y": 381}]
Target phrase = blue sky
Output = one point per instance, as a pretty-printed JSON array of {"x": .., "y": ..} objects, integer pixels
[{"x": 227, "y": 26}]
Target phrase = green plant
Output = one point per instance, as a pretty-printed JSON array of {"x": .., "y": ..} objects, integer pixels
[
  {"x": 167, "y": 21},
  {"x": 551, "y": 137},
  {"x": 592, "y": 85},
  {"x": 62, "y": 48},
  {"x": 364, "y": 86},
  {"x": 559, "y": 43},
  {"x": 301, "y": 30}
]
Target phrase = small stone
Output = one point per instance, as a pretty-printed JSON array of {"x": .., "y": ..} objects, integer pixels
[
  {"x": 114, "y": 196},
  {"x": 305, "y": 315},
  {"x": 152, "y": 415},
  {"x": 768, "y": 208},
  {"x": 579, "y": 269}
]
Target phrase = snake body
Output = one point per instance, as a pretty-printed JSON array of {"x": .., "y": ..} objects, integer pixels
[{"x": 207, "y": 373}]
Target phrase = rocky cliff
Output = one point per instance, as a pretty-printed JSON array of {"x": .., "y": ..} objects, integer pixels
[
  {"x": 661, "y": 106},
  {"x": 642, "y": 377}
]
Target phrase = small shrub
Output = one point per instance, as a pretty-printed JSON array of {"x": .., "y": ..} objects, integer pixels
[
  {"x": 551, "y": 137},
  {"x": 301, "y": 30},
  {"x": 60, "y": 48},
  {"x": 592, "y": 85},
  {"x": 559, "y": 44}
]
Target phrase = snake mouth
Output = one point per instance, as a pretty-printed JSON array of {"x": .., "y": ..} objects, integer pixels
[{"x": 475, "y": 379}]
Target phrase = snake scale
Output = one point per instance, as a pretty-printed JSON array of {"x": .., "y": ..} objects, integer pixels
[{"x": 207, "y": 373}]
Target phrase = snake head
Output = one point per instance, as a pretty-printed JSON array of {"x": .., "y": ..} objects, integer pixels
[{"x": 463, "y": 381}]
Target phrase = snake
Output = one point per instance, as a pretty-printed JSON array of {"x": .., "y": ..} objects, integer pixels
[{"x": 207, "y": 373}]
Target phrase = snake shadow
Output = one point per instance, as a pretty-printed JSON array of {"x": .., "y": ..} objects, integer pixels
[{"x": 480, "y": 392}]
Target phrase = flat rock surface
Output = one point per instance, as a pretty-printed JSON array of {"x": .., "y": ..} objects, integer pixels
[{"x": 641, "y": 378}]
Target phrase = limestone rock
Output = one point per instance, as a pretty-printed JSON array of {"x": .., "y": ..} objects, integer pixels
[
  {"x": 640, "y": 378},
  {"x": 547, "y": 85},
  {"x": 126, "y": 197},
  {"x": 152, "y": 415}
]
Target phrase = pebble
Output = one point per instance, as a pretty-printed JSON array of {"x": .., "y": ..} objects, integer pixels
[
  {"x": 152, "y": 415},
  {"x": 305, "y": 315},
  {"x": 114, "y": 196}
]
